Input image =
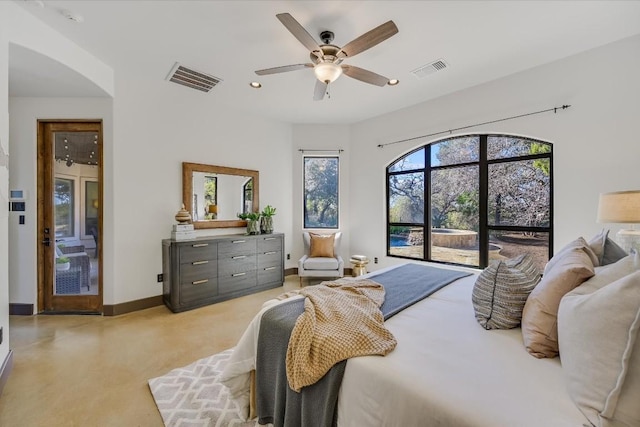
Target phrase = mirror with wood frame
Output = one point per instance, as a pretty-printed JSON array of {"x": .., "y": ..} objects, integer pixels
[{"x": 215, "y": 195}]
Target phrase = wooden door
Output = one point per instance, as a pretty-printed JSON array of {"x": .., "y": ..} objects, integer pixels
[{"x": 70, "y": 216}]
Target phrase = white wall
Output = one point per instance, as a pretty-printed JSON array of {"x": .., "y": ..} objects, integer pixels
[
  {"x": 4, "y": 179},
  {"x": 596, "y": 145},
  {"x": 330, "y": 138},
  {"x": 159, "y": 125},
  {"x": 150, "y": 128},
  {"x": 143, "y": 176}
]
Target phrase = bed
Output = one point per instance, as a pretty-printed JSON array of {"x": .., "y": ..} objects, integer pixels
[{"x": 446, "y": 370}]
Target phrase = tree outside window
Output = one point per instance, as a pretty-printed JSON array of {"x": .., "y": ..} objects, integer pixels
[
  {"x": 320, "y": 192},
  {"x": 486, "y": 197}
]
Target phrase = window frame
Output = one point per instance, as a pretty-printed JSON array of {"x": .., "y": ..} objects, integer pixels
[
  {"x": 305, "y": 224},
  {"x": 484, "y": 229}
]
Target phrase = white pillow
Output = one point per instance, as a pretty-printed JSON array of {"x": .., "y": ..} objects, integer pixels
[{"x": 600, "y": 351}]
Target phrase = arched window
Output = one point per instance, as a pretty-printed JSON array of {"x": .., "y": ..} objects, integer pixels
[{"x": 471, "y": 199}]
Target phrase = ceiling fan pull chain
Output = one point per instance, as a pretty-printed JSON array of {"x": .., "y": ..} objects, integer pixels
[{"x": 328, "y": 87}]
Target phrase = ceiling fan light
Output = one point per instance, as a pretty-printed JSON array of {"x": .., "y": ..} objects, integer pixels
[{"x": 327, "y": 72}]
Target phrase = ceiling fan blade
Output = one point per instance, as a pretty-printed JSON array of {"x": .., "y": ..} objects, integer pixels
[
  {"x": 283, "y": 69},
  {"x": 369, "y": 39},
  {"x": 298, "y": 31},
  {"x": 364, "y": 75},
  {"x": 319, "y": 91}
]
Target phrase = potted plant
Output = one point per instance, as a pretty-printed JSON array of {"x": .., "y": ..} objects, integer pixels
[
  {"x": 266, "y": 220},
  {"x": 252, "y": 221},
  {"x": 63, "y": 263}
]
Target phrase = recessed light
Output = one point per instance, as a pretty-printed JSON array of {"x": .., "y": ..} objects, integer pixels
[
  {"x": 255, "y": 85},
  {"x": 393, "y": 82}
]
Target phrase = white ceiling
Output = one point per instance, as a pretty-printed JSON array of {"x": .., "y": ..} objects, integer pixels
[{"x": 480, "y": 40}]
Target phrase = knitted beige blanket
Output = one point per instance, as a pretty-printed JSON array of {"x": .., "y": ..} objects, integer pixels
[{"x": 341, "y": 319}]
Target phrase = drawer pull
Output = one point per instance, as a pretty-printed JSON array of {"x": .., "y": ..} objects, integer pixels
[
  {"x": 199, "y": 262},
  {"x": 239, "y": 257},
  {"x": 200, "y": 245},
  {"x": 269, "y": 268},
  {"x": 269, "y": 238},
  {"x": 238, "y": 274},
  {"x": 200, "y": 282},
  {"x": 238, "y": 241},
  {"x": 270, "y": 253}
]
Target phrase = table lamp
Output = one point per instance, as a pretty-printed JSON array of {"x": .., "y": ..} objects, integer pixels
[{"x": 622, "y": 207}]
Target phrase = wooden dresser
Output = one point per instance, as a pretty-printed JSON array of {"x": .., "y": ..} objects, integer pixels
[{"x": 216, "y": 268}]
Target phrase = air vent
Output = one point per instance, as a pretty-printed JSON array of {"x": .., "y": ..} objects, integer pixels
[
  {"x": 191, "y": 78},
  {"x": 428, "y": 69}
]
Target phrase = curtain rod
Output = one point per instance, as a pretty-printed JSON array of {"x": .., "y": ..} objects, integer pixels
[
  {"x": 554, "y": 109},
  {"x": 304, "y": 150}
]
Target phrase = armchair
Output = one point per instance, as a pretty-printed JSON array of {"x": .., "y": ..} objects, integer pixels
[
  {"x": 317, "y": 261},
  {"x": 78, "y": 258}
]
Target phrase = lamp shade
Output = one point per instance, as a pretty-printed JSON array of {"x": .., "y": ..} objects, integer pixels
[
  {"x": 213, "y": 209},
  {"x": 619, "y": 207},
  {"x": 327, "y": 72}
]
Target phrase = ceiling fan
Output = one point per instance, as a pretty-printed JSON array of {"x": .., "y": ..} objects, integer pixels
[{"x": 326, "y": 59}]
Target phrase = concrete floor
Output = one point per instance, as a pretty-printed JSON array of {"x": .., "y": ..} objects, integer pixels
[{"x": 93, "y": 370}]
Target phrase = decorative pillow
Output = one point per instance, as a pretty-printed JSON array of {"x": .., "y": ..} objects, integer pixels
[
  {"x": 578, "y": 243},
  {"x": 539, "y": 317},
  {"x": 501, "y": 291},
  {"x": 600, "y": 351},
  {"x": 606, "y": 249},
  {"x": 609, "y": 274},
  {"x": 321, "y": 245}
]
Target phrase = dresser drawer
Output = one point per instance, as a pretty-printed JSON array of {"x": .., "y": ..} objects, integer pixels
[
  {"x": 198, "y": 270},
  {"x": 236, "y": 264},
  {"x": 269, "y": 243},
  {"x": 236, "y": 281},
  {"x": 268, "y": 275},
  {"x": 197, "y": 252},
  {"x": 240, "y": 246},
  {"x": 198, "y": 290},
  {"x": 269, "y": 258}
]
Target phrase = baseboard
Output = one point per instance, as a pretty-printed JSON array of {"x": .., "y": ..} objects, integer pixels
[
  {"x": 130, "y": 306},
  {"x": 20, "y": 309},
  {"x": 291, "y": 271},
  {"x": 5, "y": 370}
]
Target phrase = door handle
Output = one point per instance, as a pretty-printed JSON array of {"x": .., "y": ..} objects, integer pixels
[{"x": 46, "y": 241}]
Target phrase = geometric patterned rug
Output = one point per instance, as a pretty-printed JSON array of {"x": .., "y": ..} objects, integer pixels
[{"x": 194, "y": 397}]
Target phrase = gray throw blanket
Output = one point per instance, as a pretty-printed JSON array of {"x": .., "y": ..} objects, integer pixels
[{"x": 316, "y": 404}]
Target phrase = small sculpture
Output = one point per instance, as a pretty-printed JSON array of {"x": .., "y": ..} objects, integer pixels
[{"x": 183, "y": 217}]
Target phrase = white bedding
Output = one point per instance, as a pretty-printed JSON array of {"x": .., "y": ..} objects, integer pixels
[
  {"x": 445, "y": 371},
  {"x": 448, "y": 371}
]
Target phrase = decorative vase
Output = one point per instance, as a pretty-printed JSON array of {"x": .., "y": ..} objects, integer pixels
[
  {"x": 63, "y": 266},
  {"x": 183, "y": 216},
  {"x": 266, "y": 224},
  {"x": 253, "y": 226}
]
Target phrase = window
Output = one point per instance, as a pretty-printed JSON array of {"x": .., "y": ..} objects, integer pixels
[
  {"x": 469, "y": 200},
  {"x": 320, "y": 192},
  {"x": 64, "y": 207}
]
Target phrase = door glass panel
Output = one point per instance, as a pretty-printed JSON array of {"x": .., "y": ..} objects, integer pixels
[
  {"x": 502, "y": 147},
  {"x": 406, "y": 198},
  {"x": 454, "y": 215},
  {"x": 411, "y": 161},
  {"x": 76, "y": 213},
  {"x": 509, "y": 244},
  {"x": 64, "y": 207},
  {"x": 455, "y": 151},
  {"x": 406, "y": 241},
  {"x": 519, "y": 193}
]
